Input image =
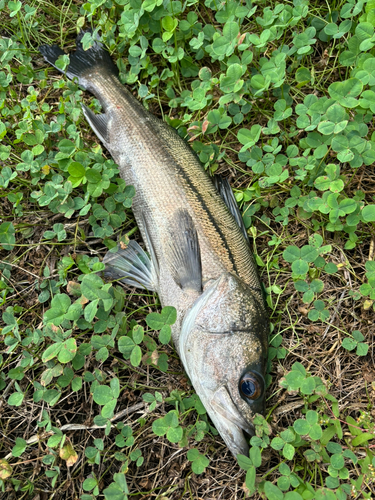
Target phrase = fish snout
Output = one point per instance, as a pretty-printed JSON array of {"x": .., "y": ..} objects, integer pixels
[{"x": 230, "y": 422}]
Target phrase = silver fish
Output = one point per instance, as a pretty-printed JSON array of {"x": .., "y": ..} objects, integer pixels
[{"x": 200, "y": 262}]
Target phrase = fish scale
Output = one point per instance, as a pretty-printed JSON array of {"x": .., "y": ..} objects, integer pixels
[{"x": 200, "y": 260}]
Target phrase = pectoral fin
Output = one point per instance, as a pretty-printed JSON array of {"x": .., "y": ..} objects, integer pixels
[
  {"x": 149, "y": 243},
  {"x": 184, "y": 252},
  {"x": 132, "y": 266}
]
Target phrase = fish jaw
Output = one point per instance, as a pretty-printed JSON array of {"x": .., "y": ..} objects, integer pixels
[
  {"x": 230, "y": 425},
  {"x": 218, "y": 343}
]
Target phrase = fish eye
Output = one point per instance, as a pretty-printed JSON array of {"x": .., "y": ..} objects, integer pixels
[{"x": 251, "y": 386}]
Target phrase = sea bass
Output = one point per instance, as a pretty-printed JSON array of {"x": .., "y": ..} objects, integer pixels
[{"x": 200, "y": 259}]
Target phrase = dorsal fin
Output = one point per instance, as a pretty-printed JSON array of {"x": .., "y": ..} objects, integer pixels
[{"x": 225, "y": 191}]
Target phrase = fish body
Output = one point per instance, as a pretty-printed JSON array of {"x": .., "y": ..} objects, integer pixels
[{"x": 201, "y": 261}]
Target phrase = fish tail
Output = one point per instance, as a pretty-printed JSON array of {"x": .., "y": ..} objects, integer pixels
[{"x": 81, "y": 61}]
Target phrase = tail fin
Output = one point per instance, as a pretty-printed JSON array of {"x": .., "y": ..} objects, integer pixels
[{"x": 81, "y": 60}]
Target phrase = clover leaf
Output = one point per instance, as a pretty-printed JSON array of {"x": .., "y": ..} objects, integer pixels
[
  {"x": 298, "y": 379},
  {"x": 199, "y": 461},
  {"x": 231, "y": 81},
  {"x": 318, "y": 312},
  {"x": 369, "y": 287},
  {"x": 309, "y": 289},
  {"x": 331, "y": 181},
  {"x": 19, "y": 447},
  {"x": 303, "y": 41},
  {"x": 287, "y": 477},
  {"x": 77, "y": 174},
  {"x": 345, "y": 92},
  {"x": 368, "y": 213},
  {"x": 7, "y": 235},
  {"x": 356, "y": 342},
  {"x": 249, "y": 137},
  {"x": 168, "y": 426},
  {"x": 58, "y": 230},
  {"x": 65, "y": 351},
  {"x": 309, "y": 426},
  {"x": 300, "y": 258},
  {"x": 283, "y": 442},
  {"x": 118, "y": 490},
  {"x": 335, "y": 31},
  {"x": 129, "y": 345},
  {"x": 153, "y": 399},
  {"x": 163, "y": 321},
  {"x": 106, "y": 396},
  {"x": 224, "y": 45}
]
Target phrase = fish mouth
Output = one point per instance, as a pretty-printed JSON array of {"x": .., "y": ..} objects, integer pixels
[{"x": 231, "y": 425}]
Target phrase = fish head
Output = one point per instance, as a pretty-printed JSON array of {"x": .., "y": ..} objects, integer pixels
[{"x": 223, "y": 346}]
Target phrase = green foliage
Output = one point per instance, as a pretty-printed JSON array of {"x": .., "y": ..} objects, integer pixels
[
  {"x": 7, "y": 235},
  {"x": 129, "y": 344},
  {"x": 368, "y": 289},
  {"x": 310, "y": 437},
  {"x": 168, "y": 426},
  {"x": 117, "y": 490},
  {"x": 199, "y": 461},
  {"x": 152, "y": 399},
  {"x": 163, "y": 322},
  {"x": 318, "y": 312},
  {"x": 356, "y": 343}
]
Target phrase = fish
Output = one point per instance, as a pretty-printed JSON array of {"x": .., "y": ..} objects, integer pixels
[{"x": 198, "y": 257}]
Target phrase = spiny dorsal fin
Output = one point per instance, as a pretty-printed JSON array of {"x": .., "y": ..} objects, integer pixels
[{"x": 225, "y": 191}]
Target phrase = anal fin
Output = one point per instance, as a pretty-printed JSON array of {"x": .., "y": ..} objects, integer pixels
[
  {"x": 99, "y": 123},
  {"x": 132, "y": 266}
]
